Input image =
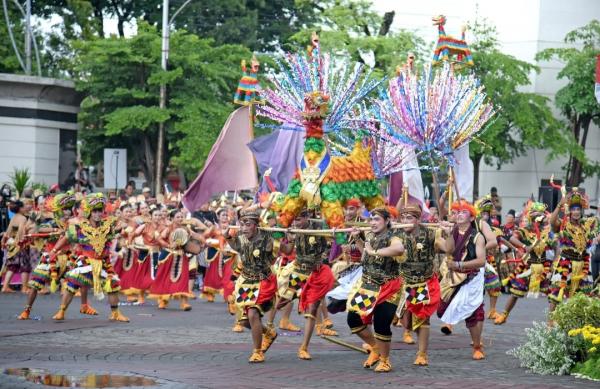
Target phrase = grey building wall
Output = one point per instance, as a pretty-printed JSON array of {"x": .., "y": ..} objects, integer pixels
[{"x": 34, "y": 112}]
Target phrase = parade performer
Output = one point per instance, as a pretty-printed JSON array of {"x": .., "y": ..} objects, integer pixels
[
  {"x": 346, "y": 256},
  {"x": 127, "y": 255},
  {"x": 256, "y": 284},
  {"x": 17, "y": 246},
  {"x": 532, "y": 275},
  {"x": 375, "y": 296},
  {"x": 213, "y": 277},
  {"x": 51, "y": 269},
  {"x": 307, "y": 278},
  {"x": 575, "y": 235},
  {"x": 148, "y": 255},
  {"x": 172, "y": 275},
  {"x": 492, "y": 285},
  {"x": 92, "y": 238},
  {"x": 462, "y": 287},
  {"x": 420, "y": 283}
]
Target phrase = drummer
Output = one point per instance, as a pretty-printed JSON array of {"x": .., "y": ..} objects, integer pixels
[{"x": 171, "y": 281}]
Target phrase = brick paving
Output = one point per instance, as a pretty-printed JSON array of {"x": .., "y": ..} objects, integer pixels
[{"x": 198, "y": 350}]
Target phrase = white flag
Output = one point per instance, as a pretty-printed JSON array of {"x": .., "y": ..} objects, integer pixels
[{"x": 464, "y": 173}]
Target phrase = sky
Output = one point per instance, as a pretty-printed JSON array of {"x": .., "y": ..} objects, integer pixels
[{"x": 514, "y": 28}]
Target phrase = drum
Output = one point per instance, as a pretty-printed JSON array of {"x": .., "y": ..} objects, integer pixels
[
  {"x": 193, "y": 246},
  {"x": 179, "y": 237}
]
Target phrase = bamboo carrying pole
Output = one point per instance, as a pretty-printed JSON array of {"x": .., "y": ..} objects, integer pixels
[
  {"x": 315, "y": 232},
  {"x": 345, "y": 344}
]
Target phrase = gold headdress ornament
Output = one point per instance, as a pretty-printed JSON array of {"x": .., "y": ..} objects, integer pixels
[
  {"x": 60, "y": 202},
  {"x": 381, "y": 211},
  {"x": 575, "y": 198},
  {"x": 91, "y": 202},
  {"x": 409, "y": 207},
  {"x": 484, "y": 204},
  {"x": 250, "y": 214},
  {"x": 535, "y": 209}
]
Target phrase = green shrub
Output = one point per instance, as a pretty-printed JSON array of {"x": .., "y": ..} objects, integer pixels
[
  {"x": 20, "y": 179},
  {"x": 589, "y": 368},
  {"x": 579, "y": 311},
  {"x": 547, "y": 350}
]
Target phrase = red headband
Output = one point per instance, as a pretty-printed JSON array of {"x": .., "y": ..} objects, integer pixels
[
  {"x": 353, "y": 203},
  {"x": 464, "y": 205}
]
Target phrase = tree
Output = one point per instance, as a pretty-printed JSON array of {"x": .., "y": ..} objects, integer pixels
[
  {"x": 121, "y": 79},
  {"x": 261, "y": 25},
  {"x": 352, "y": 28},
  {"x": 8, "y": 60},
  {"x": 523, "y": 119},
  {"x": 576, "y": 100},
  {"x": 90, "y": 14}
]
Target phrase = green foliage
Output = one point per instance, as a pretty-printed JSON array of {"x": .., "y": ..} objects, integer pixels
[
  {"x": 39, "y": 186},
  {"x": 8, "y": 60},
  {"x": 121, "y": 79},
  {"x": 260, "y": 25},
  {"x": 578, "y": 311},
  {"x": 547, "y": 350},
  {"x": 576, "y": 100},
  {"x": 20, "y": 179},
  {"x": 523, "y": 120},
  {"x": 589, "y": 368},
  {"x": 354, "y": 29}
]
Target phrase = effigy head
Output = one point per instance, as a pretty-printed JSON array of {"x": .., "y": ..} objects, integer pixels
[
  {"x": 254, "y": 64},
  {"x": 315, "y": 105},
  {"x": 535, "y": 210},
  {"x": 277, "y": 200},
  {"x": 439, "y": 20}
]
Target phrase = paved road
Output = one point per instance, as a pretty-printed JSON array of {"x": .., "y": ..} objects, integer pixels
[{"x": 197, "y": 350}]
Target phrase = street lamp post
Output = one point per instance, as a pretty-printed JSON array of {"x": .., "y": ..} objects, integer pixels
[{"x": 166, "y": 22}]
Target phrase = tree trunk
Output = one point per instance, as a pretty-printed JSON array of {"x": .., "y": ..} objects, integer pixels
[
  {"x": 575, "y": 172},
  {"x": 476, "y": 164},
  {"x": 388, "y": 18},
  {"x": 148, "y": 162},
  {"x": 99, "y": 19},
  {"x": 120, "y": 24}
]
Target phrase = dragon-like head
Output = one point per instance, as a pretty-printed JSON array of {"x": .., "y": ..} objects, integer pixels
[
  {"x": 438, "y": 20},
  {"x": 315, "y": 105},
  {"x": 254, "y": 64}
]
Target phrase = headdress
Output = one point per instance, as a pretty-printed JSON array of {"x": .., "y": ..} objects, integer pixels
[
  {"x": 94, "y": 201},
  {"x": 353, "y": 203},
  {"x": 381, "y": 211},
  {"x": 575, "y": 198},
  {"x": 484, "y": 204},
  {"x": 464, "y": 205},
  {"x": 407, "y": 206},
  {"x": 57, "y": 204},
  {"x": 250, "y": 214}
]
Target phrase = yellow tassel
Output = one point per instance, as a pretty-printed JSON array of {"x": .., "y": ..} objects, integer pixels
[
  {"x": 561, "y": 293},
  {"x": 107, "y": 285},
  {"x": 96, "y": 271},
  {"x": 576, "y": 276},
  {"x": 53, "y": 285},
  {"x": 535, "y": 279}
]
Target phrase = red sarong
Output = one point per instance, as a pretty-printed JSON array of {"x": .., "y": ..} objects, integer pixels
[
  {"x": 386, "y": 291},
  {"x": 228, "y": 285},
  {"x": 316, "y": 287},
  {"x": 127, "y": 275},
  {"x": 213, "y": 283},
  {"x": 171, "y": 277},
  {"x": 267, "y": 290},
  {"x": 142, "y": 273},
  {"x": 425, "y": 310}
]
